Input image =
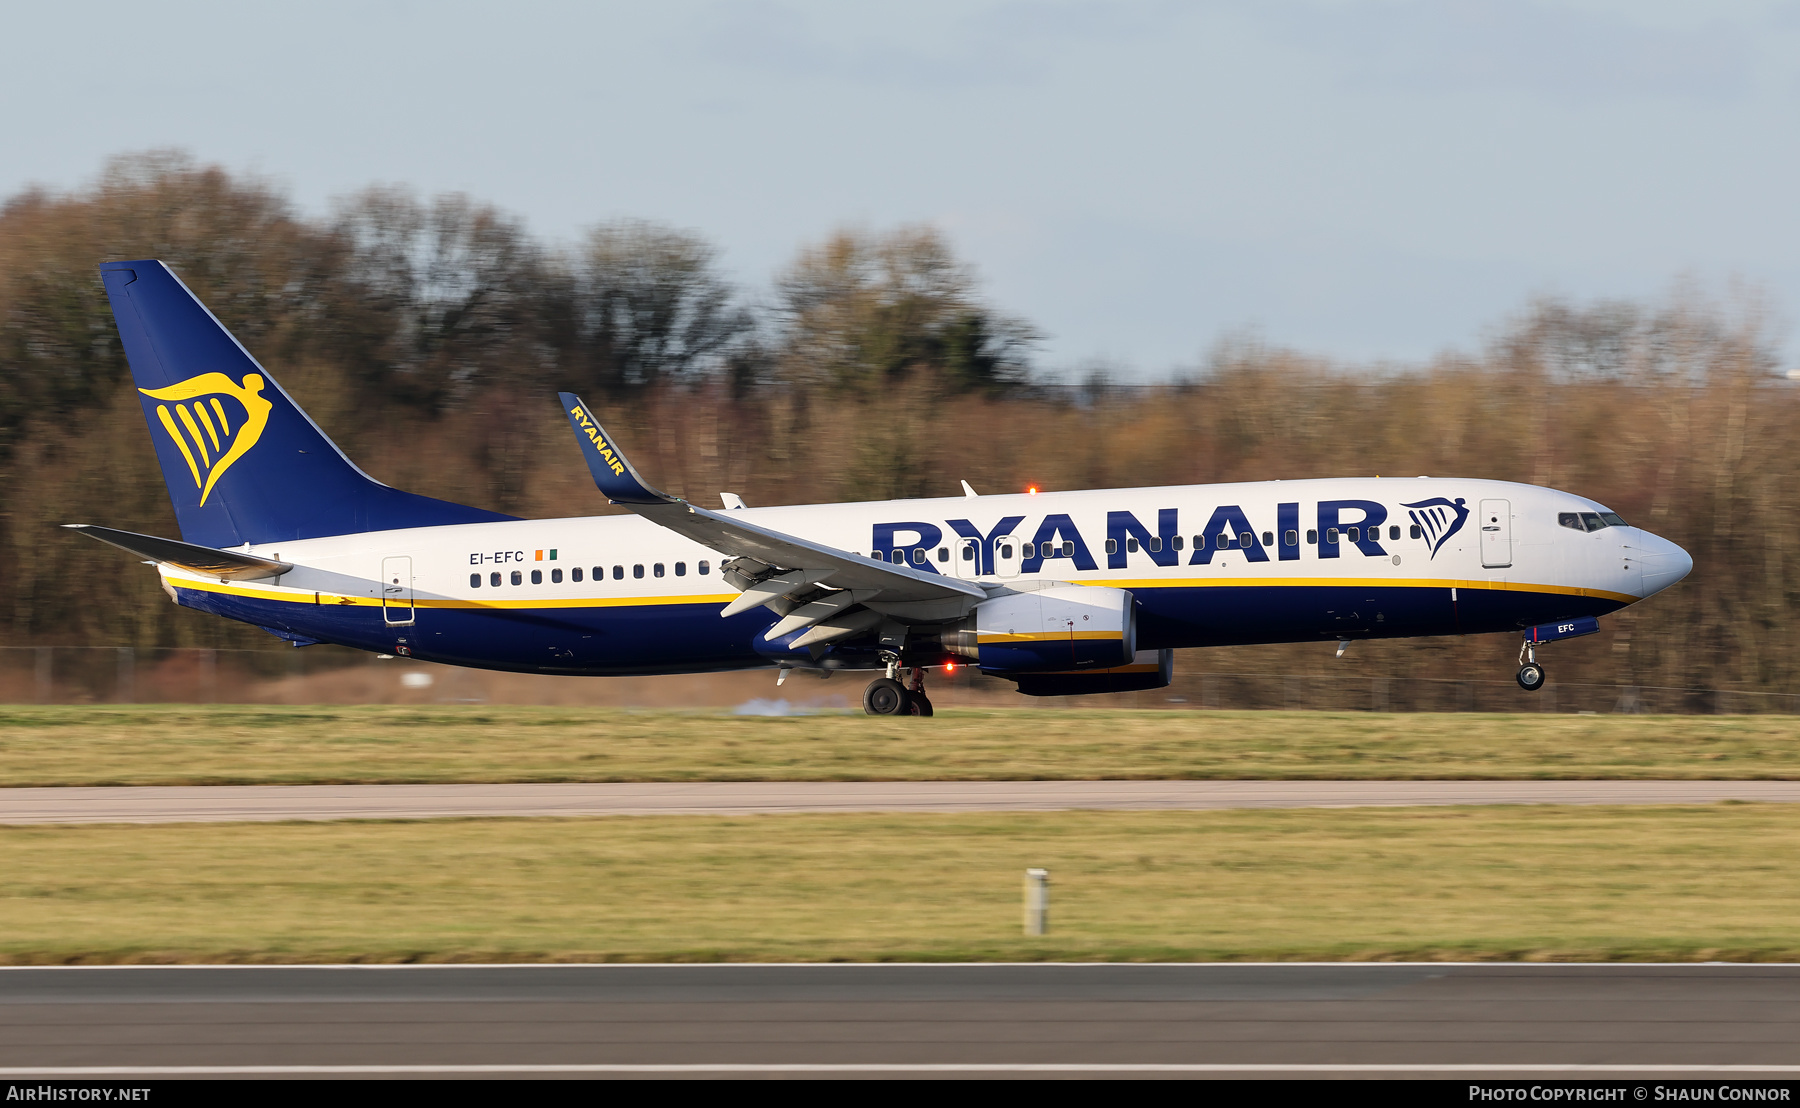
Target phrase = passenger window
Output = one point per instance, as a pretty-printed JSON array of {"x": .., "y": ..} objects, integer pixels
[
  {"x": 1156, "y": 544},
  {"x": 1417, "y": 531},
  {"x": 1312, "y": 536},
  {"x": 681, "y": 569},
  {"x": 918, "y": 555},
  {"x": 1291, "y": 538},
  {"x": 474, "y": 580},
  {"x": 575, "y": 574},
  {"x": 1331, "y": 536},
  {"x": 658, "y": 569},
  {"x": 1393, "y": 532},
  {"x": 1027, "y": 550},
  {"x": 619, "y": 572},
  {"x": 1112, "y": 546},
  {"x": 637, "y": 570},
  {"x": 1245, "y": 538},
  {"x": 1268, "y": 538},
  {"x": 1354, "y": 534},
  {"x": 968, "y": 554},
  {"x": 943, "y": 553},
  {"x": 1131, "y": 546},
  {"x": 556, "y": 576},
  {"x": 518, "y": 578},
  {"x": 494, "y": 579},
  {"x": 537, "y": 576},
  {"x": 1175, "y": 542},
  {"x": 1199, "y": 542},
  {"x": 705, "y": 568},
  {"x": 1069, "y": 548},
  {"x": 1006, "y": 550}
]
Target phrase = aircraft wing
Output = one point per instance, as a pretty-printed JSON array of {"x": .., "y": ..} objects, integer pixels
[
  {"x": 796, "y": 562},
  {"x": 223, "y": 564}
]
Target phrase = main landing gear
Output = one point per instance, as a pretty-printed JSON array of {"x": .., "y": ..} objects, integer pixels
[
  {"x": 1531, "y": 674},
  {"x": 889, "y": 696}
]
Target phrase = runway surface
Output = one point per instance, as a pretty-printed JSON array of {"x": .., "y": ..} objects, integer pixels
[
  {"x": 1667, "y": 1021},
  {"x": 218, "y": 803}
]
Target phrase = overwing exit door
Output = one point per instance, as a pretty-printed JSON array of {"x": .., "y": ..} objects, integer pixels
[
  {"x": 396, "y": 591},
  {"x": 968, "y": 560},
  {"x": 1496, "y": 534},
  {"x": 1007, "y": 555}
]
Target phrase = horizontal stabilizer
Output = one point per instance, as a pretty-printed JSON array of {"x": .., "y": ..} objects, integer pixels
[{"x": 223, "y": 564}]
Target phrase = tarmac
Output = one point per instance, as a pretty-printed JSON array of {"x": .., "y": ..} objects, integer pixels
[
  {"x": 231, "y": 803},
  {"x": 1463, "y": 1021}
]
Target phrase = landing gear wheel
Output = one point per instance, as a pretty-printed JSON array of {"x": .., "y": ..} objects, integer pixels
[
  {"x": 1531, "y": 677},
  {"x": 887, "y": 697},
  {"x": 921, "y": 705}
]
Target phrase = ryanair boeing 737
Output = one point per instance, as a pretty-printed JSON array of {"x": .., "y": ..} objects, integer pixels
[{"x": 1062, "y": 593}]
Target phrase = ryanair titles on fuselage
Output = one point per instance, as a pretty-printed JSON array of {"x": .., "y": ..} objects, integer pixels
[{"x": 1340, "y": 523}]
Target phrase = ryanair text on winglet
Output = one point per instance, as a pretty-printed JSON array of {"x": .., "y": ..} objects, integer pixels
[{"x": 599, "y": 441}]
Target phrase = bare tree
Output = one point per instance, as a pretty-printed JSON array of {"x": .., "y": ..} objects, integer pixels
[
  {"x": 647, "y": 306},
  {"x": 860, "y": 310}
]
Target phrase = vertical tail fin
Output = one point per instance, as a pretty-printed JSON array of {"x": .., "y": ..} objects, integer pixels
[{"x": 243, "y": 463}]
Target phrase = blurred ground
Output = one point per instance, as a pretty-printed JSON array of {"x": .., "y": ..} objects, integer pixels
[
  {"x": 1204, "y": 679},
  {"x": 321, "y": 744},
  {"x": 1687, "y": 883}
]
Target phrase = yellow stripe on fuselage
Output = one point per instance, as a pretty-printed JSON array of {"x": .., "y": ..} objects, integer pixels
[
  {"x": 305, "y": 596},
  {"x": 299, "y": 596},
  {"x": 1358, "y": 583}
]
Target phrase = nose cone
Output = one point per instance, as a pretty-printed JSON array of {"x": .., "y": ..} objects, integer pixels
[{"x": 1664, "y": 563}]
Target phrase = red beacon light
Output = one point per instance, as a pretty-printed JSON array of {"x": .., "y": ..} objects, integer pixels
[
  {"x": 1031, "y": 490},
  {"x": 949, "y": 667}
]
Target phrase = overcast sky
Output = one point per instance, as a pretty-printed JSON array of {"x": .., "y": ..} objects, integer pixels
[{"x": 1364, "y": 180}]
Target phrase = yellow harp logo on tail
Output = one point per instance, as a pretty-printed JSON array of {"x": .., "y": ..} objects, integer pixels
[{"x": 213, "y": 422}]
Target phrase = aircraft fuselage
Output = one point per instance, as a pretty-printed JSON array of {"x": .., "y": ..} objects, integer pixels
[{"x": 1209, "y": 565}]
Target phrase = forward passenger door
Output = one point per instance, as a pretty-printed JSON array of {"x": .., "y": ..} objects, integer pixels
[{"x": 1496, "y": 534}]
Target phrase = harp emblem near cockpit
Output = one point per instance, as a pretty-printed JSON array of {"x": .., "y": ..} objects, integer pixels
[
  {"x": 213, "y": 421},
  {"x": 1439, "y": 519}
]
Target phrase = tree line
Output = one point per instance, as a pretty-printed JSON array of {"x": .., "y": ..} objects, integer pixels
[{"x": 429, "y": 335}]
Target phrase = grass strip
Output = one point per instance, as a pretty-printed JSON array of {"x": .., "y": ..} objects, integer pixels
[
  {"x": 197, "y": 745},
  {"x": 1550, "y": 883}
]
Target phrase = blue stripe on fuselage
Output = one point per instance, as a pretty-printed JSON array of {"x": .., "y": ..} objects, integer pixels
[{"x": 691, "y": 638}]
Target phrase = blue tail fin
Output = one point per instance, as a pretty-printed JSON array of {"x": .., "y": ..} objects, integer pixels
[{"x": 242, "y": 461}]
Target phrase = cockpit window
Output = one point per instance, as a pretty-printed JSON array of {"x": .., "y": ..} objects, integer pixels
[{"x": 1589, "y": 521}]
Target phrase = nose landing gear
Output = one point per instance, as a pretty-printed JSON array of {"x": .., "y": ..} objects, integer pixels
[
  {"x": 1531, "y": 674},
  {"x": 889, "y": 696}
]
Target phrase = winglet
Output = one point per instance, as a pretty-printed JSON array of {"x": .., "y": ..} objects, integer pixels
[{"x": 612, "y": 473}]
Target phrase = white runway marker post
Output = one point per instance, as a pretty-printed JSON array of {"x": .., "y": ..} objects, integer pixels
[{"x": 1037, "y": 901}]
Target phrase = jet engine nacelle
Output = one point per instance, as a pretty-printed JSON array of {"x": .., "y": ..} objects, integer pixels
[
  {"x": 1151, "y": 669},
  {"x": 1061, "y": 628}
]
